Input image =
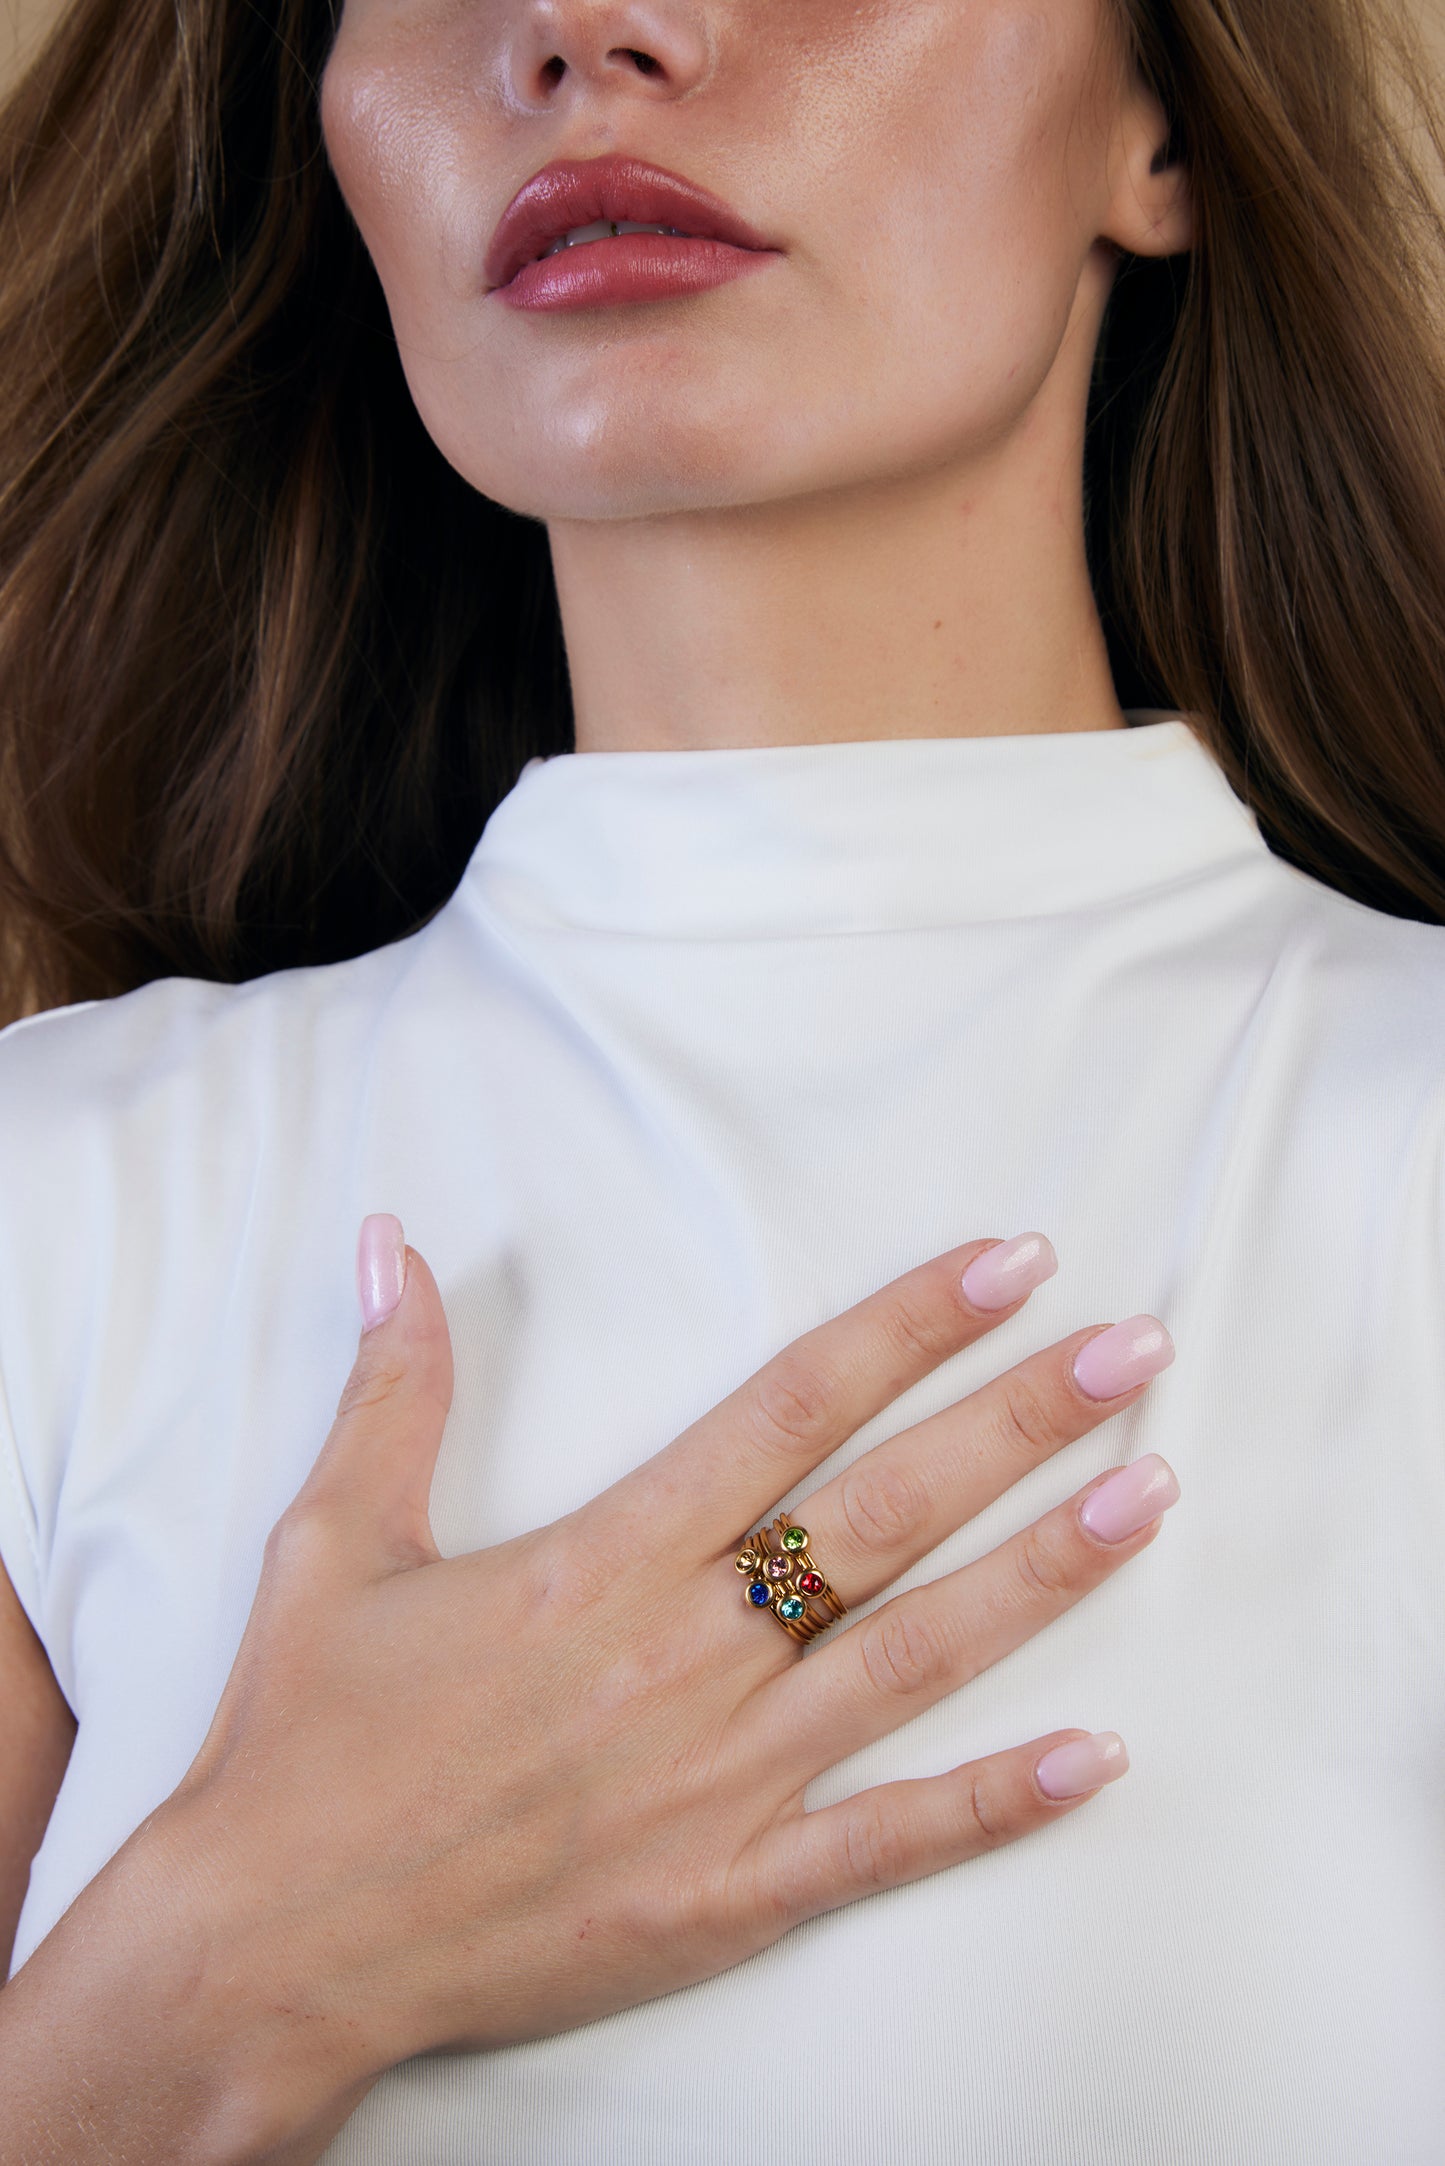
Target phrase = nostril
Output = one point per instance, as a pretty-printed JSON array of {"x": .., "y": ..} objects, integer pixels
[
  {"x": 645, "y": 63},
  {"x": 554, "y": 69}
]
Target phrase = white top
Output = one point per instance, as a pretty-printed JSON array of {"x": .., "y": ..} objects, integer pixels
[{"x": 705, "y": 1047}]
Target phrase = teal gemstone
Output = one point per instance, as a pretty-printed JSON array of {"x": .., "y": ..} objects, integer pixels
[
  {"x": 792, "y": 1607},
  {"x": 795, "y": 1537}
]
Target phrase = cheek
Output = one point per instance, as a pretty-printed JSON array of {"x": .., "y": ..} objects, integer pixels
[
  {"x": 966, "y": 264},
  {"x": 409, "y": 146},
  {"x": 391, "y": 119}
]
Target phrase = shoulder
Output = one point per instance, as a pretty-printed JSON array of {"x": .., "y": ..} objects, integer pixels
[
  {"x": 182, "y": 1057},
  {"x": 1333, "y": 1080},
  {"x": 147, "y": 1124},
  {"x": 1373, "y": 984},
  {"x": 151, "y": 1146},
  {"x": 115, "y": 1056}
]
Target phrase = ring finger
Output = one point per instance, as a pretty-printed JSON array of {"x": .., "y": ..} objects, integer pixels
[
  {"x": 899, "y": 1500},
  {"x": 925, "y": 1643}
]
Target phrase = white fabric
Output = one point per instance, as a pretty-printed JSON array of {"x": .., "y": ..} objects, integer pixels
[{"x": 705, "y": 1047}]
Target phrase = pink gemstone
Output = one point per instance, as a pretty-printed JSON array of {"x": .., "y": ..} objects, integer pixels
[
  {"x": 811, "y": 1582},
  {"x": 778, "y": 1567}
]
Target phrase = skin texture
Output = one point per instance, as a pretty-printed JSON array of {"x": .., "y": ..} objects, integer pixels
[
  {"x": 351, "y": 1873},
  {"x": 840, "y": 498},
  {"x": 843, "y": 494}
]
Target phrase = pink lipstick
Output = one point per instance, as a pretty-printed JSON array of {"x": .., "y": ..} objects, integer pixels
[{"x": 558, "y": 243}]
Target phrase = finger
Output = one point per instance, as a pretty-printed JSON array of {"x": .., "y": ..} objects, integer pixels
[
  {"x": 858, "y": 1684},
  {"x": 373, "y": 1474},
  {"x": 900, "y": 1831},
  {"x": 901, "y": 1499},
  {"x": 731, "y": 1466}
]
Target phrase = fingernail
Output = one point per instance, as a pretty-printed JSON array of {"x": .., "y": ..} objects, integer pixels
[
  {"x": 1009, "y": 1270},
  {"x": 1083, "y": 1764},
  {"x": 1129, "y": 1499},
  {"x": 1123, "y": 1356},
  {"x": 380, "y": 1267}
]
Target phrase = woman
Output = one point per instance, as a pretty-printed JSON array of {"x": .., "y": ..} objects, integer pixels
[{"x": 917, "y": 841}]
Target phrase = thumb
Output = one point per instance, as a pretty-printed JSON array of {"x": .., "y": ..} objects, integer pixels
[{"x": 375, "y": 1469}]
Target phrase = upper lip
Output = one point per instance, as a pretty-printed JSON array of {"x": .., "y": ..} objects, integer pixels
[{"x": 575, "y": 192}]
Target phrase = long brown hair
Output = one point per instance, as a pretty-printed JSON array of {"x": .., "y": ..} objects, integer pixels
[{"x": 267, "y": 662}]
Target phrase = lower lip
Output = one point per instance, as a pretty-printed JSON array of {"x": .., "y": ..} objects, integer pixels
[{"x": 629, "y": 267}]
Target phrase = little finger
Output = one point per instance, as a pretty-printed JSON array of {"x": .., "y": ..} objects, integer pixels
[{"x": 900, "y": 1831}]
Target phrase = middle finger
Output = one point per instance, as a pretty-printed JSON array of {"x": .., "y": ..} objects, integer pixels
[{"x": 899, "y": 1500}]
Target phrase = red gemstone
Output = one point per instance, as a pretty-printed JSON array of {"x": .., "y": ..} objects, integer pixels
[{"x": 811, "y": 1582}]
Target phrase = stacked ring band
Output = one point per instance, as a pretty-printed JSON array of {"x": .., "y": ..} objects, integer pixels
[{"x": 786, "y": 1579}]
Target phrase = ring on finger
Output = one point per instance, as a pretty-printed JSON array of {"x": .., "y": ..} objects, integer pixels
[{"x": 786, "y": 1578}]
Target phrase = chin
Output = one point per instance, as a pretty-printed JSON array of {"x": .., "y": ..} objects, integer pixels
[
  {"x": 630, "y": 428},
  {"x": 627, "y": 467},
  {"x": 631, "y": 493}
]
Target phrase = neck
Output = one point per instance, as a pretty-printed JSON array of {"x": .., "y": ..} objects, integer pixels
[{"x": 952, "y": 603}]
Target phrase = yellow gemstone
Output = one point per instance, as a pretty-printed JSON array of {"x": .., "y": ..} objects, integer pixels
[{"x": 747, "y": 1560}]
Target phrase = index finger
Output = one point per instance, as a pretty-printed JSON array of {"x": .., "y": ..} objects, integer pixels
[{"x": 728, "y": 1469}]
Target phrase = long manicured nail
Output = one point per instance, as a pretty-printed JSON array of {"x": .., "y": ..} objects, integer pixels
[
  {"x": 1009, "y": 1270},
  {"x": 1083, "y": 1764},
  {"x": 1126, "y": 1354},
  {"x": 380, "y": 1267},
  {"x": 1129, "y": 1499}
]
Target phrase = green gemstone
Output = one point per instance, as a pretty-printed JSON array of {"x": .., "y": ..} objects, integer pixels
[
  {"x": 792, "y": 1607},
  {"x": 795, "y": 1537}
]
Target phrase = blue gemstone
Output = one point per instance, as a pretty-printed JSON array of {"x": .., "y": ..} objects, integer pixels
[{"x": 759, "y": 1594}]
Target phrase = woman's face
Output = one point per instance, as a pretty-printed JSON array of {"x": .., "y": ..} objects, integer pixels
[{"x": 934, "y": 177}]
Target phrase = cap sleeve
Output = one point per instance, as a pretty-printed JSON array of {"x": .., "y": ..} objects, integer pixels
[{"x": 19, "y": 1541}]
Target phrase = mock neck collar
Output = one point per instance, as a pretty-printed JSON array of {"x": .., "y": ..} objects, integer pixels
[{"x": 882, "y": 834}]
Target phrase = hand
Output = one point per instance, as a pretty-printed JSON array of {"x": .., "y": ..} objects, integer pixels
[
  {"x": 476, "y": 1800},
  {"x": 471, "y": 1801}
]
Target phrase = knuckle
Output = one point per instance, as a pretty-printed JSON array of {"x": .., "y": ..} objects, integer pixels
[
  {"x": 372, "y": 1382},
  {"x": 555, "y": 1575},
  {"x": 1045, "y": 1565},
  {"x": 920, "y": 1327},
  {"x": 902, "y": 1655},
  {"x": 875, "y": 1846},
  {"x": 755, "y": 1906},
  {"x": 1028, "y": 1416},
  {"x": 792, "y": 1401},
  {"x": 668, "y": 1907},
  {"x": 301, "y": 1542},
  {"x": 984, "y": 1811},
  {"x": 880, "y": 1505},
  {"x": 707, "y": 1901}
]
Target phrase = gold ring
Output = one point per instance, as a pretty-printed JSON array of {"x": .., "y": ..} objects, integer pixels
[{"x": 786, "y": 1579}]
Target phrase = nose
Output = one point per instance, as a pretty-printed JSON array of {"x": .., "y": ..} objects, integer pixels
[{"x": 657, "y": 47}]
